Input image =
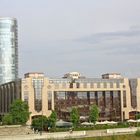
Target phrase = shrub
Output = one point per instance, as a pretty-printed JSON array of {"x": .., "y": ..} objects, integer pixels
[
  {"x": 74, "y": 116},
  {"x": 40, "y": 123},
  {"x": 113, "y": 137},
  {"x": 94, "y": 114},
  {"x": 99, "y": 138},
  {"x": 7, "y": 119},
  {"x": 137, "y": 133}
]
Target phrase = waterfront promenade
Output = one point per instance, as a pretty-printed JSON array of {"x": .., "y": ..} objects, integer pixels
[{"x": 25, "y": 135}]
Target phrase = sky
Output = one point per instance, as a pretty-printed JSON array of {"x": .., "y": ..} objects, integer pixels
[{"x": 89, "y": 36}]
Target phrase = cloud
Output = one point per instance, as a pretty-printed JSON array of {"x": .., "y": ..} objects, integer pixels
[{"x": 120, "y": 42}]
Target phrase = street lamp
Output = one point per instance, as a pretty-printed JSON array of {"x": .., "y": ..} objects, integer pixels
[
  {"x": 136, "y": 117},
  {"x": 114, "y": 111},
  {"x": 41, "y": 123}
]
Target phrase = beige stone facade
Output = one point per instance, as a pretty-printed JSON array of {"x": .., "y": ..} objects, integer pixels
[{"x": 118, "y": 99}]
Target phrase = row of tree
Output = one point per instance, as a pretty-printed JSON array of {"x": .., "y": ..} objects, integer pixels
[
  {"x": 19, "y": 114},
  {"x": 43, "y": 123},
  {"x": 93, "y": 115}
]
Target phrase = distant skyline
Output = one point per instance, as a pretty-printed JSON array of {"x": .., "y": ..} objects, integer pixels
[{"x": 89, "y": 36}]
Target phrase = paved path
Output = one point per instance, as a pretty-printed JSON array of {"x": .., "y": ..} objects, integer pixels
[
  {"x": 66, "y": 135},
  {"x": 56, "y": 135}
]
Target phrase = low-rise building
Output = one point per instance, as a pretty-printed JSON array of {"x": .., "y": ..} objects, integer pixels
[
  {"x": 117, "y": 98},
  {"x": 8, "y": 93}
]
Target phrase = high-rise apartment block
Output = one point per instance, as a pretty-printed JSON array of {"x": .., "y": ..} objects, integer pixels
[{"x": 8, "y": 50}]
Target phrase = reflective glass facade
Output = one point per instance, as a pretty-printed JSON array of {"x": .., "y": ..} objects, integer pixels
[
  {"x": 133, "y": 90},
  {"x": 38, "y": 85},
  {"x": 8, "y": 50},
  {"x": 108, "y": 103}
]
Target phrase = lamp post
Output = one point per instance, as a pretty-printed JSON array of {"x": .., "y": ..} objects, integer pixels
[
  {"x": 136, "y": 117},
  {"x": 41, "y": 123},
  {"x": 114, "y": 110}
]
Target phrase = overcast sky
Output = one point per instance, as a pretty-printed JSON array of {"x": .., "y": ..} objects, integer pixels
[{"x": 89, "y": 36}]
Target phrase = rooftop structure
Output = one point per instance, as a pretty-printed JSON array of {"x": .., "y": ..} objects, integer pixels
[
  {"x": 111, "y": 76},
  {"x": 72, "y": 75}
]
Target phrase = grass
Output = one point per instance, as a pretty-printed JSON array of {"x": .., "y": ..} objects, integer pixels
[
  {"x": 96, "y": 127},
  {"x": 137, "y": 133},
  {"x": 121, "y": 137}
]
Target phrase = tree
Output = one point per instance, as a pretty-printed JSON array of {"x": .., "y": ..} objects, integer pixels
[
  {"x": 137, "y": 116},
  {"x": 7, "y": 119},
  {"x": 40, "y": 123},
  {"x": 94, "y": 114},
  {"x": 74, "y": 116},
  {"x": 52, "y": 119},
  {"x": 19, "y": 111}
]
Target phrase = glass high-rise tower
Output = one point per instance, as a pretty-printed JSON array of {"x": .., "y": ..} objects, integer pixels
[{"x": 8, "y": 50}]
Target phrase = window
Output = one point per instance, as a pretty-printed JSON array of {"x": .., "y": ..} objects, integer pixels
[
  {"x": 38, "y": 84},
  {"x": 91, "y": 85},
  {"x": 26, "y": 96},
  {"x": 111, "y": 85},
  {"x": 56, "y": 85},
  {"x": 105, "y": 85},
  {"x": 61, "y": 95},
  {"x": 98, "y": 85},
  {"x": 117, "y": 85},
  {"x": 82, "y": 95},
  {"x": 93, "y": 98},
  {"x": 85, "y": 85},
  {"x": 133, "y": 92},
  {"x": 63, "y": 85},
  {"x": 124, "y": 99},
  {"x": 49, "y": 100},
  {"x": 100, "y": 99}
]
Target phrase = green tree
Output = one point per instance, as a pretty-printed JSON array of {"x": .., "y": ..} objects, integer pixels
[
  {"x": 137, "y": 116},
  {"x": 19, "y": 111},
  {"x": 74, "y": 116},
  {"x": 52, "y": 119},
  {"x": 7, "y": 119},
  {"x": 40, "y": 123},
  {"x": 94, "y": 114}
]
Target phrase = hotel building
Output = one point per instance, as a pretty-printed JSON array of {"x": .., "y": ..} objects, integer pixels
[{"x": 117, "y": 98}]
